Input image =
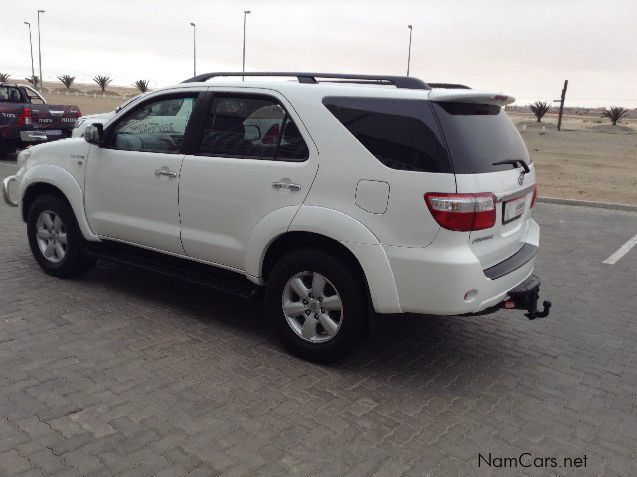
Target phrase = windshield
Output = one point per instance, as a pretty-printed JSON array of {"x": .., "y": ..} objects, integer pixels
[
  {"x": 478, "y": 135},
  {"x": 128, "y": 101}
]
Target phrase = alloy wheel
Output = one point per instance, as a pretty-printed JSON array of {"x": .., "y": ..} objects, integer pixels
[
  {"x": 312, "y": 307},
  {"x": 51, "y": 236}
]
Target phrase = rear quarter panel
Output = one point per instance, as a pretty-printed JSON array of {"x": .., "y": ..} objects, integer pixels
[{"x": 344, "y": 162}]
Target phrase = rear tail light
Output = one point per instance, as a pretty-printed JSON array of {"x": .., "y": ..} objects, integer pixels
[
  {"x": 462, "y": 212},
  {"x": 24, "y": 119},
  {"x": 534, "y": 195}
]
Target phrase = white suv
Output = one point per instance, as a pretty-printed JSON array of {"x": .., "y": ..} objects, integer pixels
[{"x": 335, "y": 197}]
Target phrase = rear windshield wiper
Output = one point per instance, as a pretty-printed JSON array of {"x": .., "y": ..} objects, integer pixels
[{"x": 514, "y": 163}]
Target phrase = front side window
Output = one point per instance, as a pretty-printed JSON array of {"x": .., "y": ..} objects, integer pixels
[
  {"x": 155, "y": 126},
  {"x": 401, "y": 133},
  {"x": 252, "y": 127}
]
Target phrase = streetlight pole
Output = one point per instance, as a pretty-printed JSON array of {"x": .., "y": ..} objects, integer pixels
[
  {"x": 194, "y": 49},
  {"x": 31, "y": 45},
  {"x": 40, "y": 50},
  {"x": 411, "y": 29},
  {"x": 245, "y": 16}
]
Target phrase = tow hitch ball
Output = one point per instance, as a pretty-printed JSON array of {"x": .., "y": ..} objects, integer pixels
[{"x": 525, "y": 297}]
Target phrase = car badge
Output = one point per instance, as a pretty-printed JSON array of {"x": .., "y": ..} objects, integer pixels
[{"x": 521, "y": 178}]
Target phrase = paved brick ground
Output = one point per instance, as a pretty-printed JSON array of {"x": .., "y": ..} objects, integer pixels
[{"x": 126, "y": 373}]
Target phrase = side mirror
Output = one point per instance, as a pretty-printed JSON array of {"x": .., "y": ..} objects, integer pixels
[
  {"x": 94, "y": 134},
  {"x": 252, "y": 132}
]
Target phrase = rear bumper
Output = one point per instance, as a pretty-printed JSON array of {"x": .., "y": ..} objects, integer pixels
[
  {"x": 522, "y": 256},
  {"x": 523, "y": 297},
  {"x": 446, "y": 278},
  {"x": 33, "y": 136}
]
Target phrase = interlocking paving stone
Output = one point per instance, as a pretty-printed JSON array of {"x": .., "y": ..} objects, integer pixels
[{"x": 127, "y": 372}]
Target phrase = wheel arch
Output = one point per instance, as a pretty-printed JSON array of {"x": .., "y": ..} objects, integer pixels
[
  {"x": 54, "y": 180},
  {"x": 369, "y": 261},
  {"x": 299, "y": 239},
  {"x": 349, "y": 239}
]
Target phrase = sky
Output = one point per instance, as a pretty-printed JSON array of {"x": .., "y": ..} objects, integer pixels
[{"x": 519, "y": 47}]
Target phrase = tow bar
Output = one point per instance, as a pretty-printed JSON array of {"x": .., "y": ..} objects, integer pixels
[{"x": 525, "y": 297}]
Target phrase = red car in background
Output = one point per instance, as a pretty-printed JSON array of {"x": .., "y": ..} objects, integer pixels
[{"x": 26, "y": 118}]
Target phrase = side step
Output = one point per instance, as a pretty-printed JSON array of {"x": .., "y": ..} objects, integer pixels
[{"x": 194, "y": 272}]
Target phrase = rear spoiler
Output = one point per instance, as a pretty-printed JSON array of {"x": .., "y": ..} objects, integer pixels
[{"x": 470, "y": 96}]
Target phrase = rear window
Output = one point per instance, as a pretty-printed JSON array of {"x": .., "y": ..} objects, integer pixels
[
  {"x": 402, "y": 134},
  {"x": 9, "y": 95},
  {"x": 478, "y": 135}
]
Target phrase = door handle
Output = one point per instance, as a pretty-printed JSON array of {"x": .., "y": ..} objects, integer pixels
[
  {"x": 286, "y": 186},
  {"x": 165, "y": 172}
]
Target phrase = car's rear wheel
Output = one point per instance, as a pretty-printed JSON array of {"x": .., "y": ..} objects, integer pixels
[
  {"x": 4, "y": 150},
  {"x": 317, "y": 304},
  {"x": 55, "y": 238}
]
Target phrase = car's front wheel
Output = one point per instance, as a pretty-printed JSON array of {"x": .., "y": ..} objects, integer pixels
[
  {"x": 55, "y": 238},
  {"x": 318, "y": 304}
]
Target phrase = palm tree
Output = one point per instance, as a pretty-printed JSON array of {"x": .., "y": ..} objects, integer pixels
[
  {"x": 4, "y": 77},
  {"x": 539, "y": 109},
  {"x": 142, "y": 85},
  {"x": 615, "y": 113},
  {"x": 67, "y": 80},
  {"x": 34, "y": 80},
  {"x": 102, "y": 81}
]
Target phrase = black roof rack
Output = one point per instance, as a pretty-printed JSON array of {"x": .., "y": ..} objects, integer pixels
[
  {"x": 448, "y": 86},
  {"x": 406, "y": 82}
]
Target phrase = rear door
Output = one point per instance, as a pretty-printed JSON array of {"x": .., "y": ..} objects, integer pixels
[
  {"x": 480, "y": 137},
  {"x": 253, "y": 159}
]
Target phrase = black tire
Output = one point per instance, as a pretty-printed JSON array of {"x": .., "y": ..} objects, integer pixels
[
  {"x": 4, "y": 150},
  {"x": 343, "y": 279},
  {"x": 74, "y": 261}
]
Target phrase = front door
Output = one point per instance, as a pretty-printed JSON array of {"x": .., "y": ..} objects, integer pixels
[
  {"x": 132, "y": 182},
  {"x": 252, "y": 160}
]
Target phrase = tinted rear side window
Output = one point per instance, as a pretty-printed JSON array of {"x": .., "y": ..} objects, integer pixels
[
  {"x": 402, "y": 134},
  {"x": 478, "y": 135},
  {"x": 252, "y": 127}
]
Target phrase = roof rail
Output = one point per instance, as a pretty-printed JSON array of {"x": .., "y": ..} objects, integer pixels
[
  {"x": 448, "y": 86},
  {"x": 406, "y": 82}
]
